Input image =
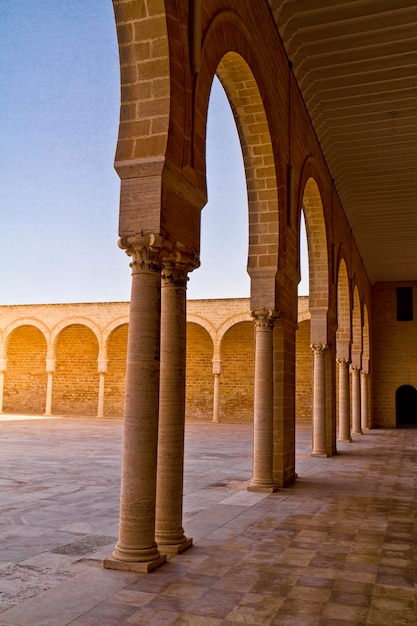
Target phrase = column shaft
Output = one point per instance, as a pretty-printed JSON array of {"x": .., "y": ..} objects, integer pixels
[
  {"x": 100, "y": 403},
  {"x": 49, "y": 386},
  {"x": 262, "y": 476},
  {"x": 216, "y": 397},
  {"x": 1, "y": 390},
  {"x": 344, "y": 401},
  {"x": 136, "y": 548},
  {"x": 169, "y": 494},
  {"x": 319, "y": 400},
  {"x": 356, "y": 401},
  {"x": 364, "y": 400}
]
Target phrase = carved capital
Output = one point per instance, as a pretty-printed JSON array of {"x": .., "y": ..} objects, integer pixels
[
  {"x": 343, "y": 361},
  {"x": 319, "y": 348},
  {"x": 354, "y": 368},
  {"x": 153, "y": 251},
  {"x": 178, "y": 263},
  {"x": 265, "y": 318}
]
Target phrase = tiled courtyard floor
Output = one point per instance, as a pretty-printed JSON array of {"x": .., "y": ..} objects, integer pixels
[{"x": 337, "y": 548}]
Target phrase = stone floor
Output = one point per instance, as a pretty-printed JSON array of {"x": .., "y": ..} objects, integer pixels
[{"x": 337, "y": 548}]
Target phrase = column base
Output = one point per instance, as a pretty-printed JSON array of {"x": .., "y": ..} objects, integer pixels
[
  {"x": 345, "y": 440},
  {"x": 320, "y": 455},
  {"x": 359, "y": 432},
  {"x": 142, "y": 567},
  {"x": 176, "y": 548},
  {"x": 262, "y": 488}
]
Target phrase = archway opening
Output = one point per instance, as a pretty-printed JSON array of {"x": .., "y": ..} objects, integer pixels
[
  {"x": 224, "y": 220},
  {"x": 406, "y": 406}
]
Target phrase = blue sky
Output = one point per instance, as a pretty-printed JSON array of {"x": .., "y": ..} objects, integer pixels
[{"x": 59, "y": 194}]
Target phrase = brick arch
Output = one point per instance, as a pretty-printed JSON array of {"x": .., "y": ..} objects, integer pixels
[
  {"x": 344, "y": 322},
  {"x": 26, "y": 321},
  {"x": 356, "y": 327},
  {"x": 229, "y": 52},
  {"x": 75, "y": 388},
  {"x": 366, "y": 354},
  {"x": 25, "y": 378},
  {"x": 236, "y": 381},
  {"x": 199, "y": 377},
  {"x": 231, "y": 321},
  {"x": 82, "y": 321},
  {"x": 108, "y": 331},
  {"x": 312, "y": 207}
]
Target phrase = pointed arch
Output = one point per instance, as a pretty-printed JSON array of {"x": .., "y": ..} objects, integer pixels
[
  {"x": 356, "y": 328},
  {"x": 241, "y": 78},
  {"x": 344, "y": 323},
  {"x": 366, "y": 347}
]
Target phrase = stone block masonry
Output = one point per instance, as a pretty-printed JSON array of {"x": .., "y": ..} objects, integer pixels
[{"x": 76, "y": 344}]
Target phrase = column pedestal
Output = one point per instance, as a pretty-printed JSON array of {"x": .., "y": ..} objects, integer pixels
[{"x": 262, "y": 475}]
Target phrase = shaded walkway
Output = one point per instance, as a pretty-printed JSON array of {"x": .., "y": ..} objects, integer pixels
[{"x": 336, "y": 548}]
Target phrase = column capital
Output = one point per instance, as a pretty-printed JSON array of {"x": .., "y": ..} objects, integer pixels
[
  {"x": 217, "y": 366},
  {"x": 177, "y": 263},
  {"x": 102, "y": 366},
  {"x": 265, "y": 318},
  {"x": 50, "y": 365},
  {"x": 355, "y": 368},
  {"x": 154, "y": 251},
  {"x": 343, "y": 361},
  {"x": 319, "y": 348}
]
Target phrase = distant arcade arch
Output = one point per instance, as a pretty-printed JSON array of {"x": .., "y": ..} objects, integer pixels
[{"x": 406, "y": 406}]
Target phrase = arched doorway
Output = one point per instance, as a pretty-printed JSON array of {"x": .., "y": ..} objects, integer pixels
[{"x": 406, "y": 406}]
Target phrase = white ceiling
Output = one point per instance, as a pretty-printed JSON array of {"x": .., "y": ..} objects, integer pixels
[{"x": 356, "y": 65}]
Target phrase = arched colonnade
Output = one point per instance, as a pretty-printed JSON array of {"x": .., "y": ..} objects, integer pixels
[{"x": 169, "y": 54}]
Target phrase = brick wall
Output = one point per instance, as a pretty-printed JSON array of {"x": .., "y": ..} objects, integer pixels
[
  {"x": 222, "y": 328},
  {"x": 303, "y": 374},
  {"x": 25, "y": 378},
  {"x": 236, "y": 380},
  {"x": 116, "y": 372},
  {"x": 76, "y": 377},
  {"x": 199, "y": 382},
  {"x": 393, "y": 363}
]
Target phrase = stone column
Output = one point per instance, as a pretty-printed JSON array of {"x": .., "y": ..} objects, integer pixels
[
  {"x": 344, "y": 401},
  {"x": 102, "y": 370},
  {"x": 3, "y": 368},
  {"x": 136, "y": 549},
  {"x": 216, "y": 391},
  {"x": 50, "y": 369},
  {"x": 262, "y": 474},
  {"x": 356, "y": 400},
  {"x": 319, "y": 400},
  {"x": 364, "y": 400},
  {"x": 170, "y": 475}
]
